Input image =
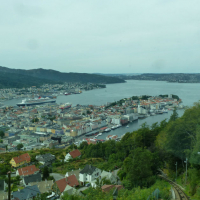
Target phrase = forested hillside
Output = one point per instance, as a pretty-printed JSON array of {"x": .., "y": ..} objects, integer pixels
[
  {"x": 53, "y": 75},
  {"x": 10, "y": 80}
]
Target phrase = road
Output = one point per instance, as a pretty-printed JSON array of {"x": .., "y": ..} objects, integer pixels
[{"x": 57, "y": 176}]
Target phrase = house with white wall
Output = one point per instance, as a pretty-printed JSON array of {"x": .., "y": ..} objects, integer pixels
[
  {"x": 89, "y": 174},
  {"x": 73, "y": 154}
]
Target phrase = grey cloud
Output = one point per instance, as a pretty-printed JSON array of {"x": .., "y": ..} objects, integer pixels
[{"x": 101, "y": 36}]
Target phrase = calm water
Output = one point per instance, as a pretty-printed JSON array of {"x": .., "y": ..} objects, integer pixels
[{"x": 188, "y": 92}]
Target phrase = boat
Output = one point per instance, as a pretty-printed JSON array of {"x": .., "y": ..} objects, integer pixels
[
  {"x": 111, "y": 137},
  {"x": 66, "y": 93},
  {"x": 114, "y": 127},
  {"x": 119, "y": 125},
  {"x": 92, "y": 133},
  {"x": 164, "y": 111},
  {"x": 65, "y": 106},
  {"x": 30, "y": 102},
  {"x": 107, "y": 130},
  {"x": 127, "y": 126},
  {"x": 141, "y": 116}
]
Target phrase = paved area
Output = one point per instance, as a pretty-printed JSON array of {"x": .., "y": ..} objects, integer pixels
[
  {"x": 82, "y": 189},
  {"x": 57, "y": 176}
]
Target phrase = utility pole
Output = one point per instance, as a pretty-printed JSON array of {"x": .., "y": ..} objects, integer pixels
[
  {"x": 176, "y": 170},
  {"x": 9, "y": 186},
  {"x": 186, "y": 172}
]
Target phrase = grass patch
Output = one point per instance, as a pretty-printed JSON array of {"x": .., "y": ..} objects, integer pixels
[{"x": 76, "y": 164}]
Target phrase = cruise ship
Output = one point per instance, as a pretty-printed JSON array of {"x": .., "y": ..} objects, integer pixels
[{"x": 30, "y": 102}]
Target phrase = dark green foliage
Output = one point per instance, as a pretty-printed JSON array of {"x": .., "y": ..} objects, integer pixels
[
  {"x": 45, "y": 173},
  {"x": 138, "y": 168},
  {"x": 12, "y": 80},
  {"x": 173, "y": 96},
  {"x": 83, "y": 145},
  {"x": 35, "y": 120},
  {"x": 174, "y": 116},
  {"x": 134, "y": 98},
  {"x": 2, "y": 134},
  {"x": 19, "y": 146},
  {"x": 145, "y": 97},
  {"x": 51, "y": 76}
]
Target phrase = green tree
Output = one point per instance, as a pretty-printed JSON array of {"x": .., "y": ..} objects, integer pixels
[
  {"x": 45, "y": 173},
  {"x": 174, "y": 115},
  {"x": 138, "y": 167},
  {"x": 2, "y": 134},
  {"x": 35, "y": 120},
  {"x": 19, "y": 146},
  {"x": 83, "y": 144}
]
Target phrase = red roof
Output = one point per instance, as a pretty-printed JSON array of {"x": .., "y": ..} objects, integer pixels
[
  {"x": 27, "y": 170},
  {"x": 75, "y": 153},
  {"x": 22, "y": 158},
  {"x": 71, "y": 180}
]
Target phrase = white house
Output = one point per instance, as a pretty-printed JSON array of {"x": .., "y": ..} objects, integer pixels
[
  {"x": 73, "y": 154},
  {"x": 89, "y": 174}
]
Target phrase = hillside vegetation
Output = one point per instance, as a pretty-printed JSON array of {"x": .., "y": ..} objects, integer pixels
[
  {"x": 11, "y": 80},
  {"x": 53, "y": 75}
]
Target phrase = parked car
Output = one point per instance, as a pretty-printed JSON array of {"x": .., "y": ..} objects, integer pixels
[{"x": 87, "y": 185}]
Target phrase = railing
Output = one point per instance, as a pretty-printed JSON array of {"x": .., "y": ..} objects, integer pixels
[{"x": 180, "y": 195}]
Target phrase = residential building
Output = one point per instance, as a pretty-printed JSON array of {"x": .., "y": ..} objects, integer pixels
[
  {"x": 46, "y": 159},
  {"x": 24, "y": 171},
  {"x": 20, "y": 160},
  {"x": 36, "y": 177},
  {"x": 73, "y": 154},
  {"x": 89, "y": 174},
  {"x": 60, "y": 185},
  {"x": 44, "y": 186},
  {"x": 28, "y": 193}
]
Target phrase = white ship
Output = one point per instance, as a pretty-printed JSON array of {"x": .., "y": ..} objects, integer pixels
[{"x": 30, "y": 102}]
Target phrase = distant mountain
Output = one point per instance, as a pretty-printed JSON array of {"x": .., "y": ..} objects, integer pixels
[
  {"x": 170, "y": 77},
  {"x": 54, "y": 75},
  {"x": 12, "y": 80}
]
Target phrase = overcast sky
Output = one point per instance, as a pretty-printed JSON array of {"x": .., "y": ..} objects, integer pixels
[{"x": 105, "y": 36}]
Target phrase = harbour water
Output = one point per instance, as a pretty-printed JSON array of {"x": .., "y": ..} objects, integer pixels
[{"x": 188, "y": 92}]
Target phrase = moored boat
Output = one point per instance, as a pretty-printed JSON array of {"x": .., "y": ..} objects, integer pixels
[{"x": 114, "y": 127}]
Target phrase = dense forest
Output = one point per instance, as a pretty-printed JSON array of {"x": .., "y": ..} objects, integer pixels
[{"x": 10, "y": 80}]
